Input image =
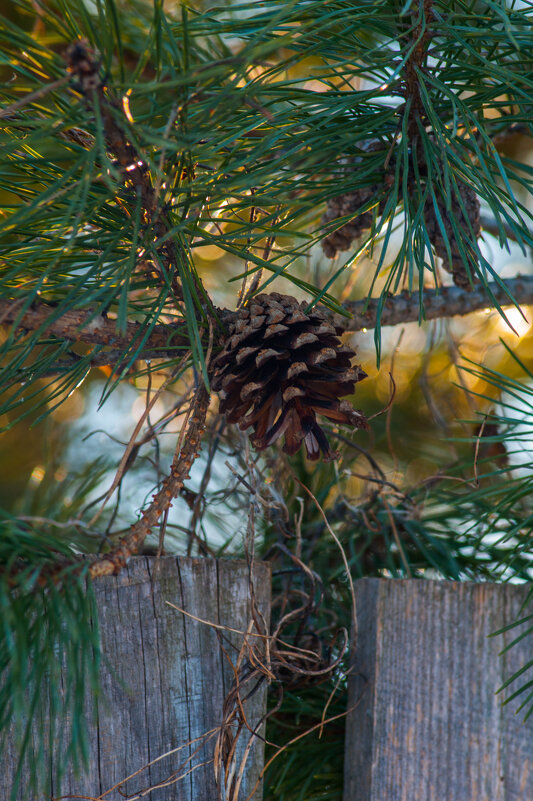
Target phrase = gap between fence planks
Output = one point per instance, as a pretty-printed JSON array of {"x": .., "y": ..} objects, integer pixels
[{"x": 426, "y": 723}]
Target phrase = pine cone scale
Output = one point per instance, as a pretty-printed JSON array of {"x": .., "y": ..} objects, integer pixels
[
  {"x": 297, "y": 368},
  {"x": 274, "y": 330},
  {"x": 243, "y": 354},
  {"x": 266, "y": 355},
  {"x": 305, "y": 338}
]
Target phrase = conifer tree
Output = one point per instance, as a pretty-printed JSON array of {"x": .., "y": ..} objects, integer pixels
[{"x": 314, "y": 145}]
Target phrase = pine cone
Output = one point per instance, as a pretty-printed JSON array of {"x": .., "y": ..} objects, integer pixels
[
  {"x": 350, "y": 203},
  {"x": 455, "y": 265},
  {"x": 342, "y": 206},
  {"x": 279, "y": 368}
]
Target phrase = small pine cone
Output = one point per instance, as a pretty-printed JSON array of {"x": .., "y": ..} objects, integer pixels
[
  {"x": 279, "y": 368},
  {"x": 342, "y": 206},
  {"x": 456, "y": 265},
  {"x": 350, "y": 203}
]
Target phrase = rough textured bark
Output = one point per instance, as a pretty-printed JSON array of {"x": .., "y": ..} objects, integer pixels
[
  {"x": 80, "y": 325},
  {"x": 448, "y": 301},
  {"x": 427, "y": 723},
  {"x": 164, "y": 677}
]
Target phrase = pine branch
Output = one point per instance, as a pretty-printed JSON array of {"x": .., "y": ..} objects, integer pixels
[
  {"x": 444, "y": 302},
  {"x": 421, "y": 38},
  {"x": 164, "y": 341},
  {"x": 90, "y": 328},
  {"x": 185, "y": 456},
  {"x": 84, "y": 65}
]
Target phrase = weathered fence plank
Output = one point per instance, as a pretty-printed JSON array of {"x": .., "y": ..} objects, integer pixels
[
  {"x": 164, "y": 678},
  {"x": 425, "y": 723}
]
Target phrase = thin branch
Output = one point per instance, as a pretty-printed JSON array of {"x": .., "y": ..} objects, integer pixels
[
  {"x": 185, "y": 455},
  {"x": 86, "y": 326},
  {"x": 344, "y": 559},
  {"x": 444, "y": 302},
  {"x": 84, "y": 65},
  {"x": 29, "y": 98},
  {"x": 105, "y": 358},
  {"x": 133, "y": 443}
]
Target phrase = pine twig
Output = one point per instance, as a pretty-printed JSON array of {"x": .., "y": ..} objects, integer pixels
[
  {"x": 32, "y": 96},
  {"x": 83, "y": 64},
  {"x": 113, "y": 562},
  {"x": 85, "y": 326},
  {"x": 447, "y": 301}
]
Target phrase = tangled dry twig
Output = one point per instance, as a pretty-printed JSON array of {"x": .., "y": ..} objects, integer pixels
[
  {"x": 187, "y": 451},
  {"x": 288, "y": 660}
]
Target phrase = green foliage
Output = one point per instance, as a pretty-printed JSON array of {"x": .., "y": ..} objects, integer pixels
[
  {"x": 49, "y": 654},
  {"x": 239, "y": 148}
]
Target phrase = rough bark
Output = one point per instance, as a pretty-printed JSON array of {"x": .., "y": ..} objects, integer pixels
[
  {"x": 165, "y": 341},
  {"x": 449, "y": 301}
]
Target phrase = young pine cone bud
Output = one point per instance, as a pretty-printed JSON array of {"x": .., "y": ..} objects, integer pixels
[
  {"x": 84, "y": 63},
  {"x": 279, "y": 369}
]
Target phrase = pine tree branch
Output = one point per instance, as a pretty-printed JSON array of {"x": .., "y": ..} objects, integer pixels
[
  {"x": 165, "y": 340},
  {"x": 86, "y": 327},
  {"x": 421, "y": 38},
  {"x": 447, "y": 301},
  {"x": 84, "y": 65},
  {"x": 185, "y": 455}
]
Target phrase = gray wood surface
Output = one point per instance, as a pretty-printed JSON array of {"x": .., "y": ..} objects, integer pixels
[
  {"x": 165, "y": 677},
  {"x": 427, "y": 723}
]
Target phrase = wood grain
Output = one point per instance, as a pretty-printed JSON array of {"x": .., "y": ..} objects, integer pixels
[
  {"x": 164, "y": 678},
  {"x": 426, "y": 723}
]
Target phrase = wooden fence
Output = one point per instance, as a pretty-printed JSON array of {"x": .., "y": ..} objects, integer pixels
[
  {"x": 164, "y": 680},
  {"x": 425, "y": 721}
]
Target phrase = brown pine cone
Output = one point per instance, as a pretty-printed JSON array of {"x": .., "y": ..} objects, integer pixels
[
  {"x": 342, "y": 206},
  {"x": 279, "y": 368},
  {"x": 455, "y": 265},
  {"x": 350, "y": 203}
]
